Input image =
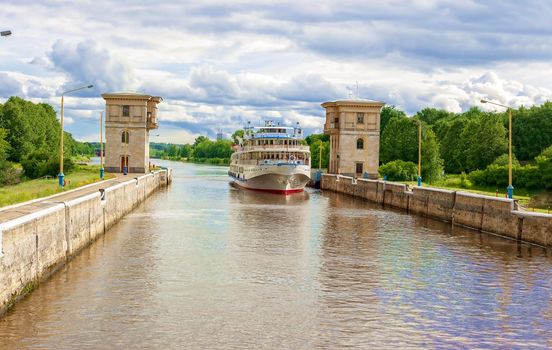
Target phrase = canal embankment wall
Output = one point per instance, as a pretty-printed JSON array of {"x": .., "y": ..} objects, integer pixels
[
  {"x": 495, "y": 215},
  {"x": 36, "y": 244}
]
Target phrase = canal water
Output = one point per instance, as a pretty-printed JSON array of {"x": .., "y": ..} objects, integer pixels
[{"x": 204, "y": 265}]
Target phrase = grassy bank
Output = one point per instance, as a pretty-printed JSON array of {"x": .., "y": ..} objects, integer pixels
[
  {"x": 538, "y": 200},
  {"x": 81, "y": 175}
]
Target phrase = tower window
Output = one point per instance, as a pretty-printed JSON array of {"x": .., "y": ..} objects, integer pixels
[
  {"x": 360, "y": 118},
  {"x": 125, "y": 137},
  {"x": 360, "y": 144},
  {"x": 126, "y": 111}
]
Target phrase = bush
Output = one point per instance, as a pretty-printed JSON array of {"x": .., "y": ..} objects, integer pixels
[
  {"x": 399, "y": 170},
  {"x": 9, "y": 174},
  {"x": 504, "y": 160},
  {"x": 40, "y": 163},
  {"x": 464, "y": 183},
  {"x": 528, "y": 176}
]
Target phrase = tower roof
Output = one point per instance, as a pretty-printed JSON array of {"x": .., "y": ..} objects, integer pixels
[
  {"x": 131, "y": 95},
  {"x": 355, "y": 101}
]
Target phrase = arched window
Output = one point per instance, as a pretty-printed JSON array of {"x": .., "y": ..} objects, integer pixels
[
  {"x": 125, "y": 137},
  {"x": 360, "y": 144}
]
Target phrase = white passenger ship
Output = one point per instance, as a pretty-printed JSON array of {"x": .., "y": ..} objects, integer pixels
[{"x": 271, "y": 158}]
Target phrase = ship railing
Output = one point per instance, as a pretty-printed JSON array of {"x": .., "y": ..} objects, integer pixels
[
  {"x": 274, "y": 162},
  {"x": 284, "y": 148},
  {"x": 280, "y": 162}
]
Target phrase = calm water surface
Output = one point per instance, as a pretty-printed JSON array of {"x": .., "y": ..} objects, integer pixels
[{"x": 204, "y": 265}]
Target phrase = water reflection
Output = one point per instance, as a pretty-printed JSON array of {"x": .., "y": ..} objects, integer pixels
[{"x": 205, "y": 265}]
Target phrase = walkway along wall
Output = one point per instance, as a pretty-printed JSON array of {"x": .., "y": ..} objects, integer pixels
[
  {"x": 35, "y": 245},
  {"x": 489, "y": 214}
]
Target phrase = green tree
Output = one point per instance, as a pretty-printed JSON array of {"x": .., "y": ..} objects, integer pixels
[
  {"x": 387, "y": 113},
  {"x": 30, "y": 127},
  {"x": 449, "y": 132},
  {"x": 172, "y": 151},
  {"x": 315, "y": 153},
  {"x": 433, "y": 115},
  {"x": 532, "y": 130},
  {"x": 400, "y": 142},
  {"x": 8, "y": 174},
  {"x": 544, "y": 164},
  {"x": 185, "y": 151},
  {"x": 317, "y": 137},
  {"x": 237, "y": 135},
  {"x": 199, "y": 140},
  {"x": 483, "y": 138}
]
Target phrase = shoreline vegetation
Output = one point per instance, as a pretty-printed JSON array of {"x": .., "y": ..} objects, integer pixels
[{"x": 80, "y": 175}]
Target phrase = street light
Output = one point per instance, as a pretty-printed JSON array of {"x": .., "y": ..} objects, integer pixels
[
  {"x": 5, "y": 33},
  {"x": 101, "y": 147},
  {"x": 61, "y": 176},
  {"x": 125, "y": 159},
  {"x": 419, "y": 153},
  {"x": 510, "y": 187}
]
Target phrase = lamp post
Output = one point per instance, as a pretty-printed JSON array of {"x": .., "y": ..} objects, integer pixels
[
  {"x": 101, "y": 147},
  {"x": 61, "y": 176},
  {"x": 5, "y": 33},
  {"x": 125, "y": 163},
  {"x": 510, "y": 186},
  {"x": 419, "y": 153}
]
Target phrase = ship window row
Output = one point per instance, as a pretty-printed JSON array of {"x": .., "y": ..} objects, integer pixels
[
  {"x": 300, "y": 157},
  {"x": 280, "y": 131},
  {"x": 264, "y": 142},
  {"x": 271, "y": 155}
]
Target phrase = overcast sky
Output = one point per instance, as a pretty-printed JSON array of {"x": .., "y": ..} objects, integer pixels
[{"x": 220, "y": 64}]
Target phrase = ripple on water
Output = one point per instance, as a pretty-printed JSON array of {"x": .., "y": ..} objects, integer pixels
[{"x": 204, "y": 265}]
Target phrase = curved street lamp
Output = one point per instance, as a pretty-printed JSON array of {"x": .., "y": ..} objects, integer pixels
[
  {"x": 510, "y": 186},
  {"x": 61, "y": 176},
  {"x": 419, "y": 153}
]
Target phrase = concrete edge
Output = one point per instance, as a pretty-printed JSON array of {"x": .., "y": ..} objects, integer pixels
[{"x": 17, "y": 205}]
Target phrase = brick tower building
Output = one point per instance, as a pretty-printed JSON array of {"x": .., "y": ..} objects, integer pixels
[
  {"x": 129, "y": 118},
  {"x": 354, "y": 129}
]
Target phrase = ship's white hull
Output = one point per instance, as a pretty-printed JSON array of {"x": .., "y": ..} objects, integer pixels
[{"x": 276, "y": 178}]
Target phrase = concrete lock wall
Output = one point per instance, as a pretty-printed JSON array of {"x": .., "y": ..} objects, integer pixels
[
  {"x": 485, "y": 213},
  {"x": 395, "y": 195},
  {"x": 35, "y": 245}
]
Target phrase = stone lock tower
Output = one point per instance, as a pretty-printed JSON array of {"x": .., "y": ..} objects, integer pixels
[
  {"x": 129, "y": 118},
  {"x": 354, "y": 129}
]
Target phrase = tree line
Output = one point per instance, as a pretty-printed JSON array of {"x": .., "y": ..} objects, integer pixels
[
  {"x": 203, "y": 150},
  {"x": 29, "y": 141}
]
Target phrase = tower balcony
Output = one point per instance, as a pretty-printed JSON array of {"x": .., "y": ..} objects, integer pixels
[{"x": 151, "y": 122}]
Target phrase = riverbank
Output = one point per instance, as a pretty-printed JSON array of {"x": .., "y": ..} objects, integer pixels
[
  {"x": 38, "y": 237},
  {"x": 501, "y": 216},
  {"x": 31, "y": 189},
  {"x": 533, "y": 200}
]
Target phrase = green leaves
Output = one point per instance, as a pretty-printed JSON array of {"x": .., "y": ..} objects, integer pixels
[
  {"x": 315, "y": 153},
  {"x": 399, "y": 170},
  {"x": 400, "y": 142}
]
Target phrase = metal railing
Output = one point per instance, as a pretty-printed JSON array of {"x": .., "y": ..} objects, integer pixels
[{"x": 284, "y": 148}]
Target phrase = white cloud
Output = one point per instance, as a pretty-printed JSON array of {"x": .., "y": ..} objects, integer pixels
[
  {"x": 9, "y": 86},
  {"x": 88, "y": 63},
  {"x": 220, "y": 64}
]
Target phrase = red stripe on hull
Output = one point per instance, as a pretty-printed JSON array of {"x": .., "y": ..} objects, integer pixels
[{"x": 285, "y": 192}]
